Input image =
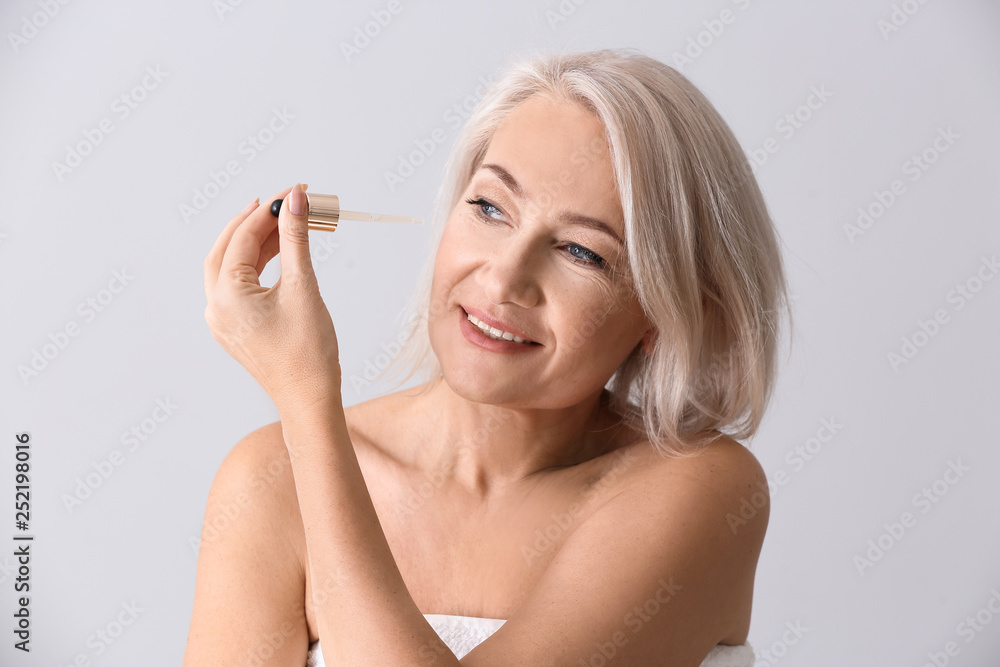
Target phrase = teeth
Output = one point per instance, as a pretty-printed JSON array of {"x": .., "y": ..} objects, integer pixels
[{"x": 496, "y": 334}]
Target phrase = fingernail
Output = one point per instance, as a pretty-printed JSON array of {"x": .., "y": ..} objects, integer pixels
[
  {"x": 252, "y": 205},
  {"x": 297, "y": 201}
]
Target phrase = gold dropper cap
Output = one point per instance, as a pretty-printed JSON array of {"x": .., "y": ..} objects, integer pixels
[{"x": 325, "y": 213}]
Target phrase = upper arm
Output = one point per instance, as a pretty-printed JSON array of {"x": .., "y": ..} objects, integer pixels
[
  {"x": 250, "y": 586},
  {"x": 650, "y": 577}
]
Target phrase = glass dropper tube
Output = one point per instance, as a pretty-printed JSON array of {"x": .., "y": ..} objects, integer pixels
[{"x": 325, "y": 213}]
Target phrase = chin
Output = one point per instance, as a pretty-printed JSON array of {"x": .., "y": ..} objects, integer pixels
[{"x": 475, "y": 384}]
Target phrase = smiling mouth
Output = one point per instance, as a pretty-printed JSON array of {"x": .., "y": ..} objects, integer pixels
[{"x": 497, "y": 334}]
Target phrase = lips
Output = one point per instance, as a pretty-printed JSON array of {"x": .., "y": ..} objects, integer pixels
[{"x": 498, "y": 325}]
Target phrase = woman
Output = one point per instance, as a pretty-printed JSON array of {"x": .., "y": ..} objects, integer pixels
[{"x": 601, "y": 307}]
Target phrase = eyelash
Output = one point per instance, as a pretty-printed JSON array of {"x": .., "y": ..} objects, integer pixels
[{"x": 592, "y": 259}]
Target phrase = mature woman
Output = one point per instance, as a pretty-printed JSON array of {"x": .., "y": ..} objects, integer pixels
[{"x": 566, "y": 487}]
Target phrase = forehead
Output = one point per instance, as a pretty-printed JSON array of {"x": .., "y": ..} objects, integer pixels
[{"x": 559, "y": 155}]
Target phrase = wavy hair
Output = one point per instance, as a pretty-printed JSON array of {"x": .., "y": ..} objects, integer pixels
[{"x": 702, "y": 249}]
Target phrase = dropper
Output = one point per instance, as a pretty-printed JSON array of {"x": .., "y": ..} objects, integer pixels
[{"x": 325, "y": 212}]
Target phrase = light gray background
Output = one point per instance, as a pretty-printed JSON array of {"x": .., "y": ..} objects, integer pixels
[{"x": 61, "y": 240}]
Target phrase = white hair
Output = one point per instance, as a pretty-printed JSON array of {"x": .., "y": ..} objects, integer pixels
[{"x": 702, "y": 251}]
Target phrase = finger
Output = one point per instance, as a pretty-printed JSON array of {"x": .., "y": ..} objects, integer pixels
[
  {"x": 293, "y": 225},
  {"x": 213, "y": 262},
  {"x": 214, "y": 258},
  {"x": 267, "y": 251},
  {"x": 241, "y": 256}
]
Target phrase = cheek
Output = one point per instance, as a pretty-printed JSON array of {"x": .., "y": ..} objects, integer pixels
[
  {"x": 589, "y": 331},
  {"x": 452, "y": 239},
  {"x": 448, "y": 269},
  {"x": 599, "y": 325},
  {"x": 458, "y": 252},
  {"x": 445, "y": 255}
]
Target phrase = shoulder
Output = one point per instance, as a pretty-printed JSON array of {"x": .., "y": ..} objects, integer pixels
[
  {"x": 703, "y": 516},
  {"x": 255, "y": 481},
  {"x": 251, "y": 579},
  {"x": 722, "y": 483},
  {"x": 260, "y": 456},
  {"x": 659, "y": 567},
  {"x": 721, "y": 467},
  {"x": 259, "y": 464}
]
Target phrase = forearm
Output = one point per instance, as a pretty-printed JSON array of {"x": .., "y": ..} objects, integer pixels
[{"x": 365, "y": 613}]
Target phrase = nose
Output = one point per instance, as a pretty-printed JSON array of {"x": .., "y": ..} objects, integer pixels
[{"x": 510, "y": 273}]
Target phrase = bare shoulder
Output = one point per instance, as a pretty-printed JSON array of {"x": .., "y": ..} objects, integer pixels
[
  {"x": 720, "y": 487},
  {"x": 261, "y": 453},
  {"x": 660, "y": 571},
  {"x": 257, "y": 475},
  {"x": 709, "y": 510},
  {"x": 251, "y": 577},
  {"x": 725, "y": 469}
]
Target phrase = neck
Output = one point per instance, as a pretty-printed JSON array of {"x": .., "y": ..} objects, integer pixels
[{"x": 485, "y": 448}]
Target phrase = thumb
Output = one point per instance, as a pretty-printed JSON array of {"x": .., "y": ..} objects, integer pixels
[{"x": 293, "y": 235}]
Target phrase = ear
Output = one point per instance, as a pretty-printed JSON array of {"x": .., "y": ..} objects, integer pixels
[{"x": 648, "y": 340}]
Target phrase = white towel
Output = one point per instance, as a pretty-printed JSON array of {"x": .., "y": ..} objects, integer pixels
[{"x": 463, "y": 633}]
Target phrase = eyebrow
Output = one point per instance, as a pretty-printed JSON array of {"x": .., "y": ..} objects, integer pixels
[{"x": 572, "y": 218}]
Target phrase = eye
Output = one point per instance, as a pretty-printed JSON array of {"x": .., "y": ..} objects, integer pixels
[
  {"x": 484, "y": 208},
  {"x": 583, "y": 256},
  {"x": 578, "y": 254}
]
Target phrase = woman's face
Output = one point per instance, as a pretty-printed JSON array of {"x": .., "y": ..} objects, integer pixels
[{"x": 535, "y": 249}]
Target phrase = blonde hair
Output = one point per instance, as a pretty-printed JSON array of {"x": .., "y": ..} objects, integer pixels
[{"x": 702, "y": 250}]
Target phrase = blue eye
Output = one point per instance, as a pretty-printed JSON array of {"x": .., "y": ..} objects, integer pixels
[
  {"x": 483, "y": 207},
  {"x": 588, "y": 257},
  {"x": 579, "y": 255}
]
